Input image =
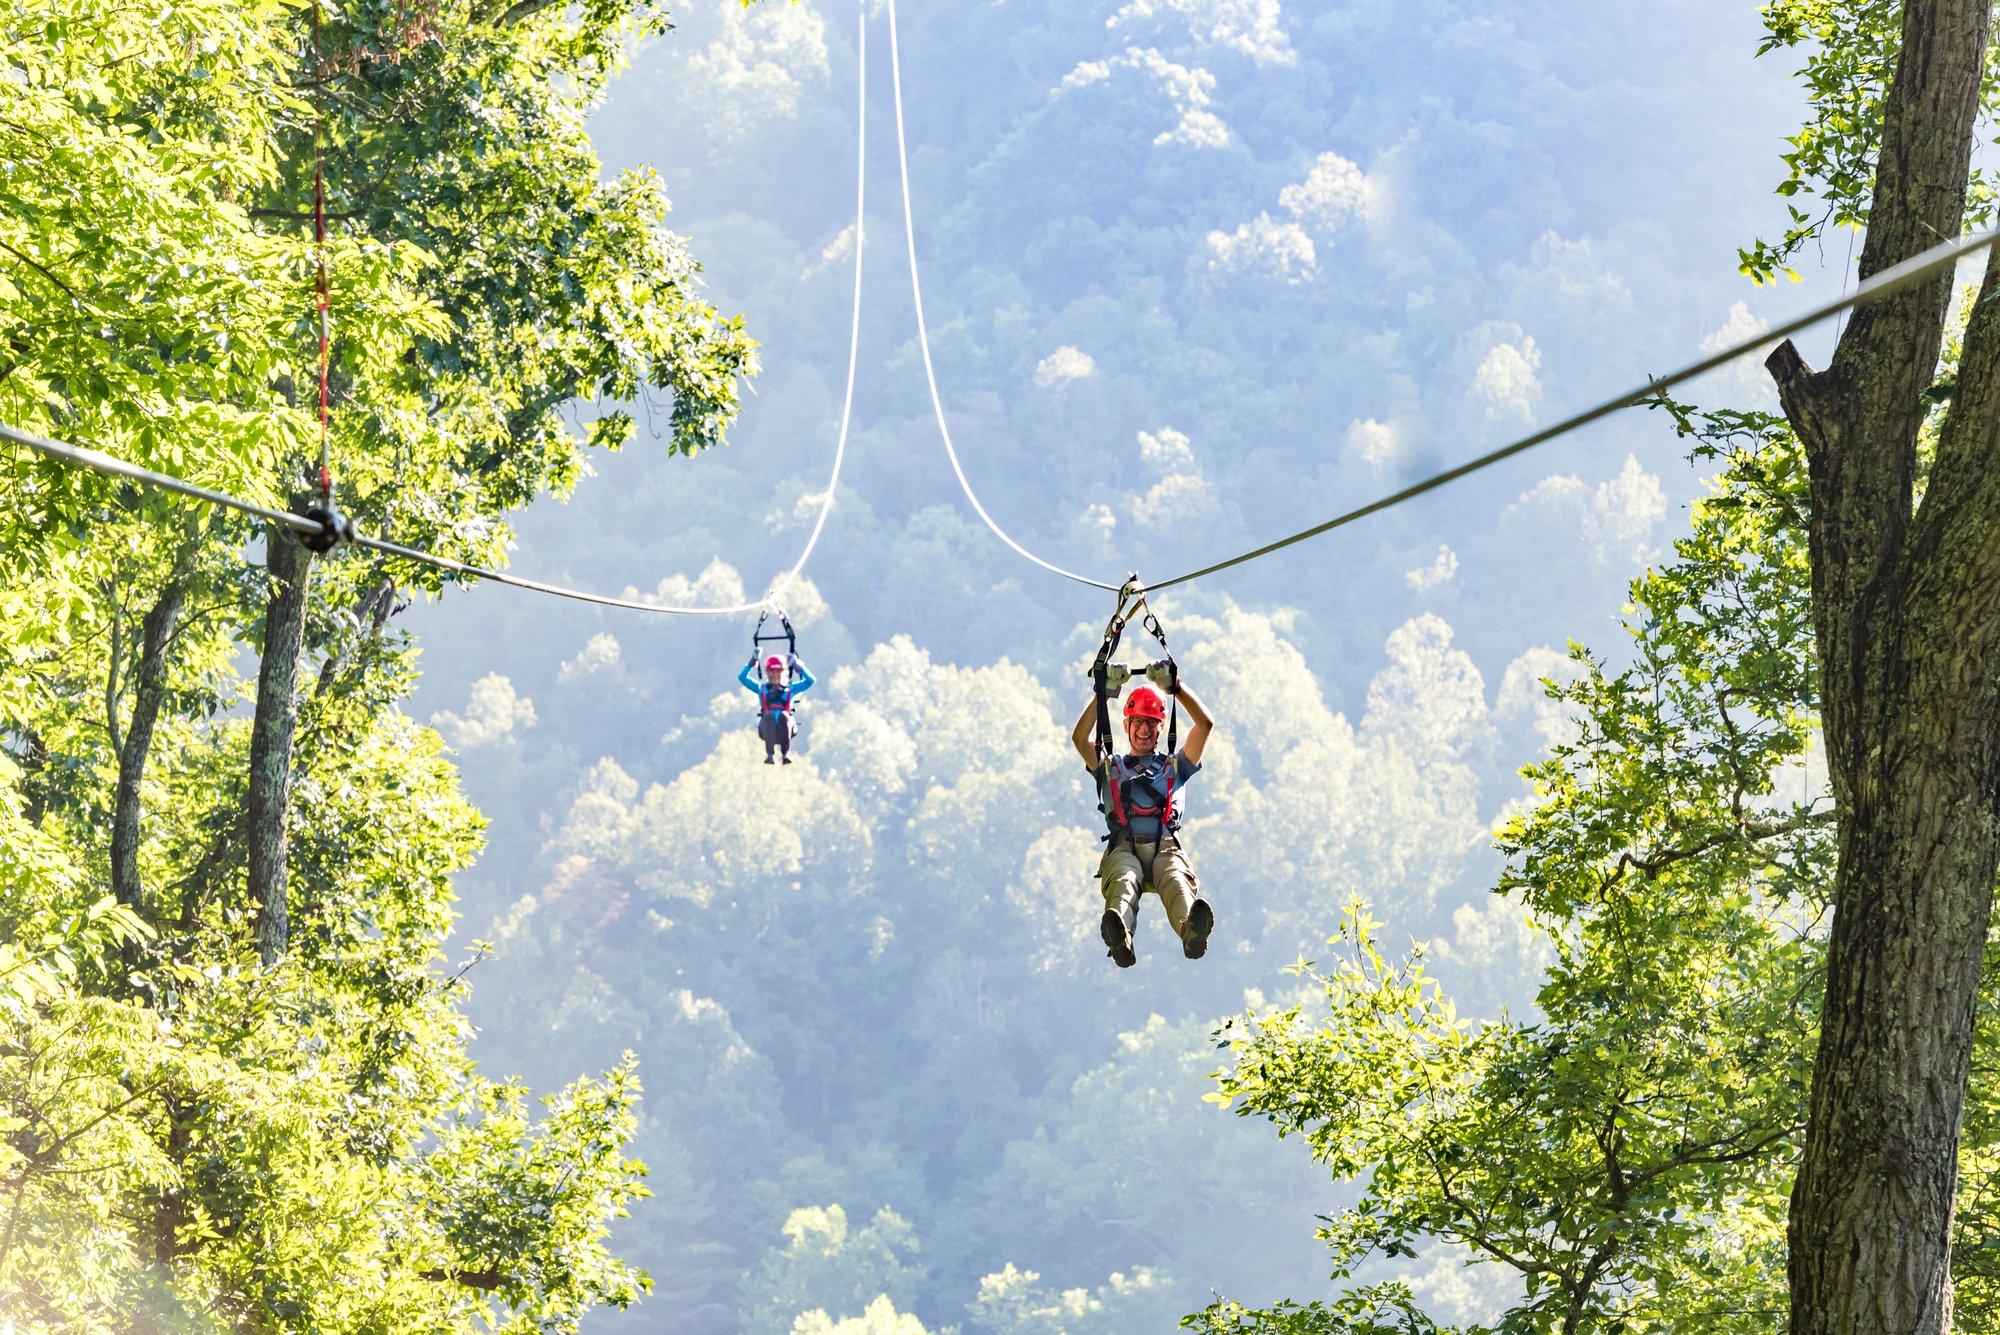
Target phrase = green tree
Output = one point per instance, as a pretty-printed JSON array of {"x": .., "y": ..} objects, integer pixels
[
  {"x": 1623, "y": 1153},
  {"x": 1906, "y": 619},
  {"x": 453, "y": 135},
  {"x": 828, "y": 1265},
  {"x": 1629, "y": 1151},
  {"x": 227, "y": 1110}
]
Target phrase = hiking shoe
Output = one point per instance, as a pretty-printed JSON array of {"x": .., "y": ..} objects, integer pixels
[
  {"x": 1115, "y": 935},
  {"x": 769, "y": 761},
  {"x": 1200, "y": 922},
  {"x": 788, "y": 760}
]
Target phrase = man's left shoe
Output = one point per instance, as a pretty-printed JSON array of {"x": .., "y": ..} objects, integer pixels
[
  {"x": 788, "y": 760},
  {"x": 1117, "y": 938},
  {"x": 1200, "y": 922}
]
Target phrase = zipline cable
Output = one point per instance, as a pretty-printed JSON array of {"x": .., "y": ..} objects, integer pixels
[
  {"x": 1884, "y": 284},
  {"x": 1887, "y": 283},
  {"x": 923, "y": 335},
  {"x": 854, "y": 313},
  {"x": 100, "y": 462},
  {"x": 1897, "y": 278}
]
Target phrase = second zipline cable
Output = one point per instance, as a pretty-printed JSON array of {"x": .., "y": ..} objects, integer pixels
[
  {"x": 1924, "y": 265},
  {"x": 923, "y": 335}
]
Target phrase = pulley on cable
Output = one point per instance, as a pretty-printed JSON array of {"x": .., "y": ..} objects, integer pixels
[
  {"x": 783, "y": 680},
  {"x": 1139, "y": 792}
]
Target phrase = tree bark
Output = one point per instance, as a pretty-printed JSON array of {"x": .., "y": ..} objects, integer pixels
[
  {"x": 1906, "y": 606},
  {"x": 272, "y": 731},
  {"x": 135, "y": 745}
]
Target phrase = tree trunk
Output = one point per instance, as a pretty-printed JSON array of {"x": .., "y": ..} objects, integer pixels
[
  {"x": 271, "y": 735},
  {"x": 1907, "y": 622},
  {"x": 149, "y": 687}
]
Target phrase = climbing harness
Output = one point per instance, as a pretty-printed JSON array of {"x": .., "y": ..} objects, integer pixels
[
  {"x": 758, "y": 638},
  {"x": 1116, "y": 783}
]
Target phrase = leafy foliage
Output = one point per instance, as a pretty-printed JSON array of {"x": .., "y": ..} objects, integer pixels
[
  {"x": 189, "y": 1141},
  {"x": 1851, "y": 48},
  {"x": 1627, "y": 1151}
]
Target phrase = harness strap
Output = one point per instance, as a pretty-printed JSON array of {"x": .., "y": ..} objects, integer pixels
[{"x": 1124, "y": 807}]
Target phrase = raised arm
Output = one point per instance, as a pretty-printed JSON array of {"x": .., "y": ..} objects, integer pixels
[
  {"x": 804, "y": 679},
  {"x": 1083, "y": 736},
  {"x": 1200, "y": 724},
  {"x": 748, "y": 677}
]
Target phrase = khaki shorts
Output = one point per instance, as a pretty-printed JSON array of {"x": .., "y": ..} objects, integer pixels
[{"x": 1162, "y": 869}]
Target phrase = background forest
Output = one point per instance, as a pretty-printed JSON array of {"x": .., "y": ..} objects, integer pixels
[{"x": 1198, "y": 271}]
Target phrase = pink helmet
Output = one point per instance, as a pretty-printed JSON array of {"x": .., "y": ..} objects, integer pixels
[{"x": 773, "y": 662}]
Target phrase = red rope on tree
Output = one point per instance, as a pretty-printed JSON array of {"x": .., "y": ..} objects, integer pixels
[{"x": 322, "y": 286}]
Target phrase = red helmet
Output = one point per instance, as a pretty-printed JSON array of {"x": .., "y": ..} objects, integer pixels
[
  {"x": 1145, "y": 703},
  {"x": 773, "y": 662}
]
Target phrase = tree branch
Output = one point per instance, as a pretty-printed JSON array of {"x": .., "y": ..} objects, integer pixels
[{"x": 486, "y": 1281}]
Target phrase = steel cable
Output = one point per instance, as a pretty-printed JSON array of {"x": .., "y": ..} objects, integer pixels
[{"x": 923, "y": 335}]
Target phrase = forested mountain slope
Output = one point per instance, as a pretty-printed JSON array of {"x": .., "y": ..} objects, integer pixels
[{"x": 1195, "y": 273}]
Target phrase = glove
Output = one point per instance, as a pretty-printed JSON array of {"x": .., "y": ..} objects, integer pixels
[
  {"x": 1115, "y": 676},
  {"x": 1164, "y": 675}
]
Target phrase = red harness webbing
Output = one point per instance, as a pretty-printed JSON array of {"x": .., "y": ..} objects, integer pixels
[{"x": 1120, "y": 815}]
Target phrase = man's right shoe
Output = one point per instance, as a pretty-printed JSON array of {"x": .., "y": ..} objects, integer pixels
[
  {"x": 1118, "y": 938},
  {"x": 1200, "y": 922},
  {"x": 769, "y": 761}
]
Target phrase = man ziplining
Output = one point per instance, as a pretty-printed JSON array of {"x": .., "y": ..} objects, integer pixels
[{"x": 1139, "y": 794}]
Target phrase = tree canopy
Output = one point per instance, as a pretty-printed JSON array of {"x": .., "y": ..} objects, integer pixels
[{"x": 191, "y": 1139}]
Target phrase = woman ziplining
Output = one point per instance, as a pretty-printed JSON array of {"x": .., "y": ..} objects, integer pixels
[
  {"x": 1139, "y": 792},
  {"x": 785, "y": 679}
]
